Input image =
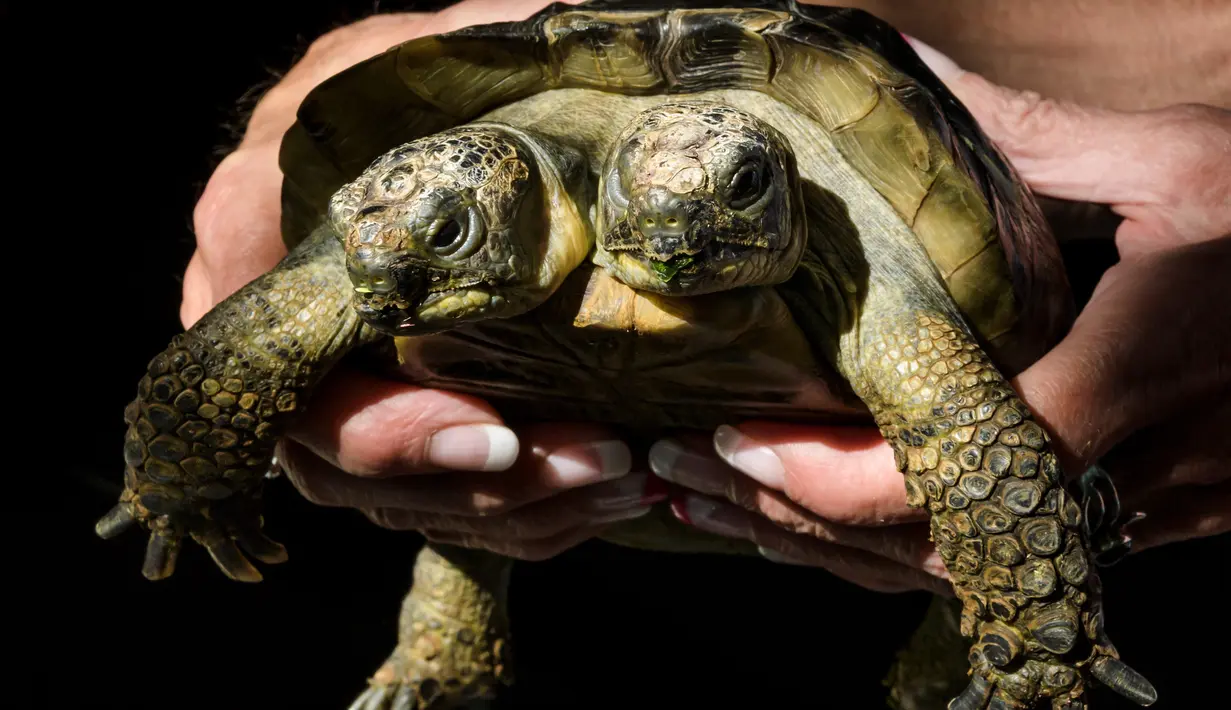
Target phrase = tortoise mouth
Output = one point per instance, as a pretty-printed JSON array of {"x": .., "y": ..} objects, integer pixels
[
  {"x": 685, "y": 267},
  {"x": 420, "y": 293}
]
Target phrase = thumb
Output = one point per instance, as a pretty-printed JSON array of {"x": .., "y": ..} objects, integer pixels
[{"x": 1165, "y": 169}]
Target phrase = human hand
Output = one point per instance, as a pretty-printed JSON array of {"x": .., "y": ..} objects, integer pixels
[
  {"x": 1141, "y": 383},
  {"x": 371, "y": 442}
]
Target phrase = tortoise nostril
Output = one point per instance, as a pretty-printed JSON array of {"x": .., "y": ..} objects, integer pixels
[{"x": 661, "y": 213}]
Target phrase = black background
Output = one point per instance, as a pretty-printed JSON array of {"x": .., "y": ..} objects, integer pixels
[{"x": 146, "y": 96}]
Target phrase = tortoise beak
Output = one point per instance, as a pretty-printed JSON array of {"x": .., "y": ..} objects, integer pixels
[
  {"x": 664, "y": 221},
  {"x": 389, "y": 291}
]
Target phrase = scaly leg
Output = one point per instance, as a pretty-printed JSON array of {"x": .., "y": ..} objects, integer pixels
[
  {"x": 1010, "y": 533},
  {"x": 453, "y": 638},
  {"x": 210, "y": 408}
]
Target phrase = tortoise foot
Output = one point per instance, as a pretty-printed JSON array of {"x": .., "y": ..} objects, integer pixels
[
  {"x": 403, "y": 697},
  {"x": 1053, "y": 685},
  {"x": 453, "y": 641},
  {"x": 425, "y": 676},
  {"x": 223, "y": 527}
]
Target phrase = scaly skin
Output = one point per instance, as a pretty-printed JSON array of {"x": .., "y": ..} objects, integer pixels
[
  {"x": 482, "y": 221},
  {"x": 453, "y": 638},
  {"x": 1009, "y": 533},
  {"x": 212, "y": 405}
]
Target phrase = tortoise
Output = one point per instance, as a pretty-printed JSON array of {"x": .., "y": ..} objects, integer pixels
[{"x": 485, "y": 200}]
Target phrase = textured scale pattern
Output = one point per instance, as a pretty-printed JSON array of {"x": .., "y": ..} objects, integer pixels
[
  {"x": 210, "y": 408},
  {"x": 1002, "y": 521},
  {"x": 453, "y": 639}
]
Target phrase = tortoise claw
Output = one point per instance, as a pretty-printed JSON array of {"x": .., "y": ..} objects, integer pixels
[
  {"x": 160, "y": 554},
  {"x": 370, "y": 699},
  {"x": 116, "y": 521},
  {"x": 255, "y": 543},
  {"x": 405, "y": 697},
  {"x": 228, "y": 558},
  {"x": 974, "y": 696},
  {"x": 1118, "y": 676}
]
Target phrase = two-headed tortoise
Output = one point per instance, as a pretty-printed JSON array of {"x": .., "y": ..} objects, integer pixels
[{"x": 659, "y": 219}]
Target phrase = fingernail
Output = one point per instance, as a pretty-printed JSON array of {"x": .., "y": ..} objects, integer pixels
[
  {"x": 619, "y": 515},
  {"x": 775, "y": 556},
  {"x": 714, "y": 517},
  {"x": 628, "y": 492},
  {"x": 759, "y": 462},
  {"x": 587, "y": 463},
  {"x": 687, "y": 468},
  {"x": 475, "y": 447},
  {"x": 943, "y": 67}
]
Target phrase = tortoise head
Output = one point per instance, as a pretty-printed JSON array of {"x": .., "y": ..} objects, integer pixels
[
  {"x": 697, "y": 196},
  {"x": 446, "y": 229}
]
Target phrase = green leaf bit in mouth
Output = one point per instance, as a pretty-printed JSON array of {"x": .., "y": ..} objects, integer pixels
[{"x": 667, "y": 270}]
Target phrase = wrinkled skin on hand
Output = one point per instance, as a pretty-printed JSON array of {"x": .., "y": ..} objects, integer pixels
[{"x": 1141, "y": 384}]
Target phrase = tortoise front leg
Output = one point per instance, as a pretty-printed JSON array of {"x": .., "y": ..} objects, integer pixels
[
  {"x": 210, "y": 408},
  {"x": 1010, "y": 533},
  {"x": 453, "y": 635}
]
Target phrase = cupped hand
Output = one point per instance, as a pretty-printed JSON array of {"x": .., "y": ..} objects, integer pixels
[
  {"x": 408, "y": 457},
  {"x": 1141, "y": 384}
]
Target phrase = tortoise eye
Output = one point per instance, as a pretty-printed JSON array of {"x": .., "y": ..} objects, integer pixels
[
  {"x": 746, "y": 185},
  {"x": 447, "y": 235},
  {"x": 460, "y": 236}
]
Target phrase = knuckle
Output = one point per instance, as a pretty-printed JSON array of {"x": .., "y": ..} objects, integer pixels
[
  {"x": 273, "y": 114},
  {"x": 329, "y": 42},
  {"x": 1026, "y": 116},
  {"x": 1197, "y": 164}
]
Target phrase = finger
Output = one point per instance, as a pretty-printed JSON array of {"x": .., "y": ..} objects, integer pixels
[
  {"x": 329, "y": 54},
  {"x": 606, "y": 502},
  {"x": 1165, "y": 169},
  {"x": 529, "y": 550},
  {"x": 1184, "y": 513},
  {"x": 843, "y": 474},
  {"x": 857, "y": 566},
  {"x": 371, "y": 426},
  {"x": 553, "y": 463},
  {"x": 237, "y": 222},
  {"x": 708, "y": 475},
  {"x": 477, "y": 12},
  {"x": 1147, "y": 347}
]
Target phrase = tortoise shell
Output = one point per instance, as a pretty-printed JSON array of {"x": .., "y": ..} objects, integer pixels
[{"x": 851, "y": 73}]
